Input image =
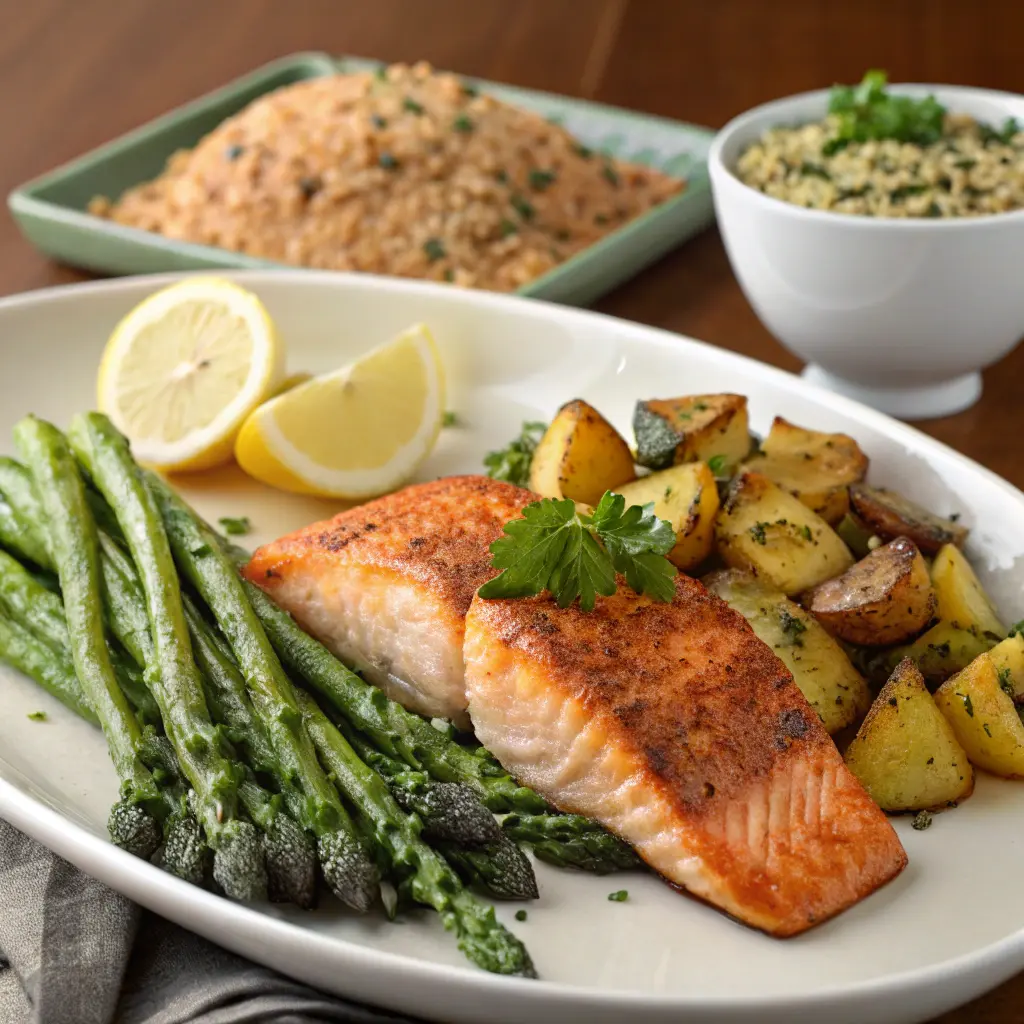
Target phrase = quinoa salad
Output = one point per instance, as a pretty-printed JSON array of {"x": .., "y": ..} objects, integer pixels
[
  {"x": 404, "y": 171},
  {"x": 881, "y": 155}
]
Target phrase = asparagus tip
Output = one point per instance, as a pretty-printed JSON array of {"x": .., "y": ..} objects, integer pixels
[
  {"x": 238, "y": 866},
  {"x": 513, "y": 873},
  {"x": 457, "y": 814},
  {"x": 569, "y": 840},
  {"x": 349, "y": 872},
  {"x": 291, "y": 863},
  {"x": 185, "y": 853},
  {"x": 484, "y": 939},
  {"x": 500, "y": 869},
  {"x": 133, "y": 829}
]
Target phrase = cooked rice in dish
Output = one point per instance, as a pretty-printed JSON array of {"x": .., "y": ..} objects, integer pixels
[{"x": 406, "y": 171}]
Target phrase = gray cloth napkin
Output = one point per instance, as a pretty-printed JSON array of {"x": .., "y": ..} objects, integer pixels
[{"x": 73, "y": 951}]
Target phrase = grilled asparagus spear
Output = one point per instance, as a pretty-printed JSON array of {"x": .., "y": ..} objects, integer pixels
[
  {"x": 449, "y": 810},
  {"x": 15, "y": 537},
  {"x": 291, "y": 855},
  {"x": 455, "y": 822},
  {"x": 344, "y": 859},
  {"x": 54, "y": 672},
  {"x": 21, "y": 513},
  {"x": 72, "y": 541},
  {"x": 185, "y": 852},
  {"x": 571, "y": 841},
  {"x": 429, "y": 880},
  {"x": 34, "y": 639},
  {"x": 290, "y": 858},
  {"x": 171, "y": 674},
  {"x": 500, "y": 868},
  {"x": 42, "y": 611}
]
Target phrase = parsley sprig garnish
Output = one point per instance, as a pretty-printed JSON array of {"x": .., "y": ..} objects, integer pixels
[
  {"x": 866, "y": 111},
  {"x": 512, "y": 463},
  {"x": 573, "y": 555}
]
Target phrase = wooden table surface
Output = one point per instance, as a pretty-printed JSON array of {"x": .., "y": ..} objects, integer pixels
[{"x": 74, "y": 73}]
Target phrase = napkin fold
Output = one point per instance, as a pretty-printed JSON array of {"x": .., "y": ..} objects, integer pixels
[{"x": 73, "y": 951}]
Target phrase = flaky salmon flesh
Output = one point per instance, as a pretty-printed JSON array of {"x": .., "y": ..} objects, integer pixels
[
  {"x": 670, "y": 723},
  {"x": 678, "y": 729},
  {"x": 386, "y": 586}
]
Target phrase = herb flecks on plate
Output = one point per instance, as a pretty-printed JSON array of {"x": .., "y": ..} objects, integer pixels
[
  {"x": 574, "y": 555},
  {"x": 235, "y": 526}
]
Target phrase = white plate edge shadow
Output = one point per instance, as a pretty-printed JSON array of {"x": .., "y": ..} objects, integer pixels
[{"x": 940, "y": 985}]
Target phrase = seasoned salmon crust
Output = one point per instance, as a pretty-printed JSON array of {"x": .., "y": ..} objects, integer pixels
[
  {"x": 386, "y": 585},
  {"x": 679, "y": 730}
]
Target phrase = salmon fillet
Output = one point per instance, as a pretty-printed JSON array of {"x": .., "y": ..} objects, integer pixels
[
  {"x": 679, "y": 730},
  {"x": 386, "y": 586}
]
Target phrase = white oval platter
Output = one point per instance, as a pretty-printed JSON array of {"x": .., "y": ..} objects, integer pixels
[{"x": 950, "y": 927}]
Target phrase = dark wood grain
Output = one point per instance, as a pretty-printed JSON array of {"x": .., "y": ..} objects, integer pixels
[{"x": 74, "y": 73}]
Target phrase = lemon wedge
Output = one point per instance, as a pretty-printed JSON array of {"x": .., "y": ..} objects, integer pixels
[
  {"x": 184, "y": 369},
  {"x": 354, "y": 433}
]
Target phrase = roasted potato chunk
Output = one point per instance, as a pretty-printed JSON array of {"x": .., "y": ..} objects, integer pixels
[
  {"x": 763, "y": 528},
  {"x": 580, "y": 456},
  {"x": 1008, "y": 658},
  {"x": 939, "y": 652},
  {"x": 818, "y": 468},
  {"x": 905, "y": 753},
  {"x": 819, "y": 665},
  {"x": 961, "y": 597},
  {"x": 687, "y": 497},
  {"x": 984, "y": 718},
  {"x": 880, "y": 600},
  {"x": 890, "y": 515},
  {"x": 707, "y": 428}
]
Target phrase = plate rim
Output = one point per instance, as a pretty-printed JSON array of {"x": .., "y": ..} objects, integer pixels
[{"x": 959, "y": 978}]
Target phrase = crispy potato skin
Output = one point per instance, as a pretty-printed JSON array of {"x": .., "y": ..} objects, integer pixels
[
  {"x": 984, "y": 718},
  {"x": 580, "y": 456},
  {"x": 885, "y": 598},
  {"x": 967, "y": 625},
  {"x": 692, "y": 428},
  {"x": 817, "y": 467},
  {"x": 820, "y": 667},
  {"x": 687, "y": 497},
  {"x": 765, "y": 529},
  {"x": 891, "y": 515},
  {"x": 905, "y": 753}
]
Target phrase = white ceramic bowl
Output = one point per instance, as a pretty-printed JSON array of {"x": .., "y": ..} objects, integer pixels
[{"x": 901, "y": 314}]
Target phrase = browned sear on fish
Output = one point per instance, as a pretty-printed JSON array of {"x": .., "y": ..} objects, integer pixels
[{"x": 679, "y": 730}]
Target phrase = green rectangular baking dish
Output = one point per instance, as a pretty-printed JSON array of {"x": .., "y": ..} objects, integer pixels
[{"x": 51, "y": 210}]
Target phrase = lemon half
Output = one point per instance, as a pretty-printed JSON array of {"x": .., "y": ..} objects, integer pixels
[
  {"x": 354, "y": 433},
  {"x": 184, "y": 369}
]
